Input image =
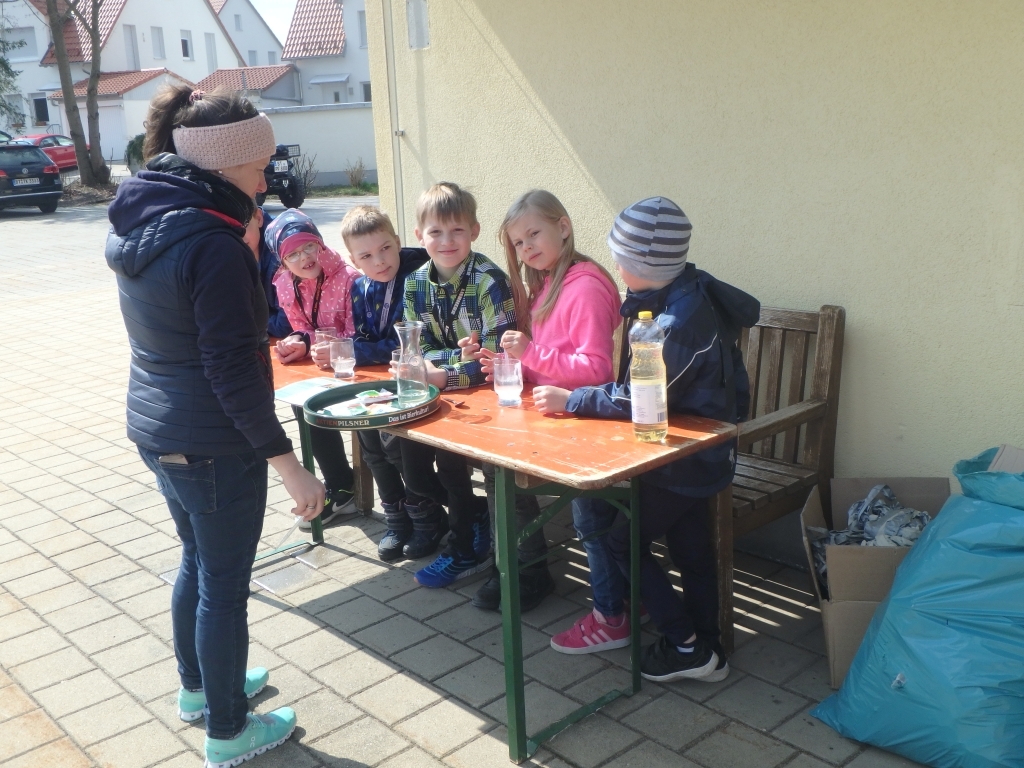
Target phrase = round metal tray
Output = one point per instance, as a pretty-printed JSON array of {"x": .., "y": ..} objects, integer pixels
[{"x": 310, "y": 411}]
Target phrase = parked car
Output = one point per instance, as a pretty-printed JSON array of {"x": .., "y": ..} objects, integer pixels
[
  {"x": 282, "y": 180},
  {"x": 28, "y": 177},
  {"x": 60, "y": 149}
]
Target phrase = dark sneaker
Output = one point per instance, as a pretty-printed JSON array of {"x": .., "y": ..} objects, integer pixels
[
  {"x": 449, "y": 567},
  {"x": 721, "y": 670},
  {"x": 488, "y": 597},
  {"x": 429, "y": 526},
  {"x": 662, "y": 663},
  {"x": 534, "y": 585},
  {"x": 398, "y": 533},
  {"x": 338, "y": 506}
]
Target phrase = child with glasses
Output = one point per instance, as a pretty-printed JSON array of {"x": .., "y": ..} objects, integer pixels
[{"x": 314, "y": 287}]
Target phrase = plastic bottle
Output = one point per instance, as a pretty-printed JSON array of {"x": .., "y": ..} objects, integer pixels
[{"x": 647, "y": 380}]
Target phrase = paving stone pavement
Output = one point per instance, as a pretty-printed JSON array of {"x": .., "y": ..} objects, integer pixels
[{"x": 381, "y": 673}]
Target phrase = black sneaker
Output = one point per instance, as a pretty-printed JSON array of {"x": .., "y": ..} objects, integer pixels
[
  {"x": 721, "y": 671},
  {"x": 398, "y": 533},
  {"x": 338, "y": 505},
  {"x": 662, "y": 663},
  {"x": 534, "y": 585}
]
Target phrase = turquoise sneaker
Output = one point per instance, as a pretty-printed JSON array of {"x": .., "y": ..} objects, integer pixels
[
  {"x": 192, "y": 704},
  {"x": 262, "y": 732}
]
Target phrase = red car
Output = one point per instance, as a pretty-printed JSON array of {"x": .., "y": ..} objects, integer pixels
[{"x": 60, "y": 149}]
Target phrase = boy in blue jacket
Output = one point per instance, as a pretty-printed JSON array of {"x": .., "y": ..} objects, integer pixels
[
  {"x": 416, "y": 524},
  {"x": 702, "y": 318}
]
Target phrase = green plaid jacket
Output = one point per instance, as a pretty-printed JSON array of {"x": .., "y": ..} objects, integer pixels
[{"x": 486, "y": 307}]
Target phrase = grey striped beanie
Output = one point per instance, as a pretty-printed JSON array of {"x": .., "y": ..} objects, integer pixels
[{"x": 650, "y": 239}]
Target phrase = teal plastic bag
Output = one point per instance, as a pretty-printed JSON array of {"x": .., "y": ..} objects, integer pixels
[{"x": 939, "y": 676}]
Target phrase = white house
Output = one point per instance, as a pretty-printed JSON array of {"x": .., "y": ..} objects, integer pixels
[
  {"x": 327, "y": 42},
  {"x": 23, "y": 21},
  {"x": 184, "y": 39},
  {"x": 249, "y": 32}
]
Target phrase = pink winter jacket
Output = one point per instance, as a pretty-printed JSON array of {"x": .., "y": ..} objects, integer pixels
[
  {"x": 335, "y": 297},
  {"x": 573, "y": 346}
]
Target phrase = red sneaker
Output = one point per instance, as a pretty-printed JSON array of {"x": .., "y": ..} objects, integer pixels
[{"x": 591, "y": 634}]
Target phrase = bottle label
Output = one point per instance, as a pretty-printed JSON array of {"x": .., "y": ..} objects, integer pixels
[{"x": 648, "y": 401}]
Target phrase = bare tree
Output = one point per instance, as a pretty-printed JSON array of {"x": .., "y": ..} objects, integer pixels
[{"x": 86, "y": 13}]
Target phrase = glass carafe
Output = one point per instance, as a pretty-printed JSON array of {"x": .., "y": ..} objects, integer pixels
[{"x": 411, "y": 369}]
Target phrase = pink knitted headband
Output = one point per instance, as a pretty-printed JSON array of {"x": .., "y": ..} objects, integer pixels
[{"x": 215, "y": 147}]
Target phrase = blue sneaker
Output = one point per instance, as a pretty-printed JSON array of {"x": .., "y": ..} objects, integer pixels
[
  {"x": 192, "y": 704},
  {"x": 262, "y": 732},
  {"x": 482, "y": 533},
  {"x": 449, "y": 567}
]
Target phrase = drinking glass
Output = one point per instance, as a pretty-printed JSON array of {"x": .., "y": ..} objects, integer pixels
[
  {"x": 343, "y": 358},
  {"x": 508, "y": 379}
]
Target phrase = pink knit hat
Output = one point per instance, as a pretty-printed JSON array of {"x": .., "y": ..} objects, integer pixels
[{"x": 215, "y": 147}]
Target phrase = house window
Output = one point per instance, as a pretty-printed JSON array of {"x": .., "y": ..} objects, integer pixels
[
  {"x": 254, "y": 58},
  {"x": 41, "y": 110},
  {"x": 157, "y": 33},
  {"x": 238, "y": 22},
  {"x": 271, "y": 57},
  {"x": 362, "y": 29},
  {"x": 419, "y": 26},
  {"x": 211, "y": 51},
  {"x": 29, "y": 51},
  {"x": 366, "y": 92},
  {"x": 186, "y": 45},
  {"x": 337, "y": 97},
  {"x": 131, "y": 47}
]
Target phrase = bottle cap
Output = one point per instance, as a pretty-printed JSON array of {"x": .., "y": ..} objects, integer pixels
[{"x": 645, "y": 315}]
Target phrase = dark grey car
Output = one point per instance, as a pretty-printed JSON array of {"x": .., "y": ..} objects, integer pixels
[{"x": 28, "y": 177}]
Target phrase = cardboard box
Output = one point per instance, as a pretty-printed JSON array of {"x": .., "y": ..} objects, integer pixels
[{"x": 859, "y": 578}]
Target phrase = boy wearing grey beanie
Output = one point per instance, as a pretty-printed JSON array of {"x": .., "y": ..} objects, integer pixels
[{"x": 701, "y": 318}]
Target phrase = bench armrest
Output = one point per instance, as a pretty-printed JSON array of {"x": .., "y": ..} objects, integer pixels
[{"x": 779, "y": 421}]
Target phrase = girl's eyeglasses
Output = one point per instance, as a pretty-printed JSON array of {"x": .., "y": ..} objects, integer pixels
[{"x": 309, "y": 249}]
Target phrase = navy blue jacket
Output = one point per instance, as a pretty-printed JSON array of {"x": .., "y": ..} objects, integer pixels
[
  {"x": 696, "y": 342},
  {"x": 368, "y": 296},
  {"x": 277, "y": 324},
  {"x": 200, "y": 378}
]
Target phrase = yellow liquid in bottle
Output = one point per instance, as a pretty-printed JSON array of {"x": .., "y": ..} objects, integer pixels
[{"x": 647, "y": 385}]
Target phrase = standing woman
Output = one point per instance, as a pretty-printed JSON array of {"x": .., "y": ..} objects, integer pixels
[{"x": 200, "y": 395}]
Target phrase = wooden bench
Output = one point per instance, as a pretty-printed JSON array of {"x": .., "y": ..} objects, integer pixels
[{"x": 788, "y": 444}]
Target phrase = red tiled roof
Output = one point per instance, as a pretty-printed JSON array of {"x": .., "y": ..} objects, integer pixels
[
  {"x": 119, "y": 83},
  {"x": 245, "y": 78},
  {"x": 76, "y": 35},
  {"x": 317, "y": 29},
  {"x": 218, "y": 4}
]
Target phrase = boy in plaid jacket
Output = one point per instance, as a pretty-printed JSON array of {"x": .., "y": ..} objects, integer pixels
[{"x": 465, "y": 302}]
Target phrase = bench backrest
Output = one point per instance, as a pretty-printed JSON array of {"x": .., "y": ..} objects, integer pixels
[{"x": 793, "y": 356}]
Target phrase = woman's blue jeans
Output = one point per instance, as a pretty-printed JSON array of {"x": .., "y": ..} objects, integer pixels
[
  {"x": 588, "y": 517},
  {"x": 217, "y": 504}
]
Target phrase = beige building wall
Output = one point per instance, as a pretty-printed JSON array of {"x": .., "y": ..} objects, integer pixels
[{"x": 867, "y": 154}]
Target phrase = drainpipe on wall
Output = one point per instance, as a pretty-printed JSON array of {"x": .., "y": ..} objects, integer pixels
[{"x": 396, "y": 132}]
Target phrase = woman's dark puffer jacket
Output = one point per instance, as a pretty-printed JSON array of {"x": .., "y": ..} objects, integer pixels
[{"x": 196, "y": 316}]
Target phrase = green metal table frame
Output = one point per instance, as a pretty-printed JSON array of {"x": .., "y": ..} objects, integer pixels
[
  {"x": 627, "y": 499},
  {"x": 307, "y": 462}
]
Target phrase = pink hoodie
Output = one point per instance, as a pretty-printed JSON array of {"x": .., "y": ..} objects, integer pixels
[
  {"x": 335, "y": 297},
  {"x": 573, "y": 346}
]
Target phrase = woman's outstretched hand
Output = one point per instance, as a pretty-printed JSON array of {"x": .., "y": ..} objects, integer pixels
[{"x": 306, "y": 491}]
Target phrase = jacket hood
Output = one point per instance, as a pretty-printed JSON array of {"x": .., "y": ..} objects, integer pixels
[
  {"x": 734, "y": 309},
  {"x": 586, "y": 269},
  {"x": 154, "y": 211}
]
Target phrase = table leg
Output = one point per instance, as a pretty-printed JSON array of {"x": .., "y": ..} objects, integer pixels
[
  {"x": 307, "y": 461},
  {"x": 506, "y": 551},
  {"x": 634, "y": 581}
]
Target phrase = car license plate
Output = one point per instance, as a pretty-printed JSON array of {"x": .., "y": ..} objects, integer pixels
[
  {"x": 280, "y": 166},
  {"x": 26, "y": 182}
]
